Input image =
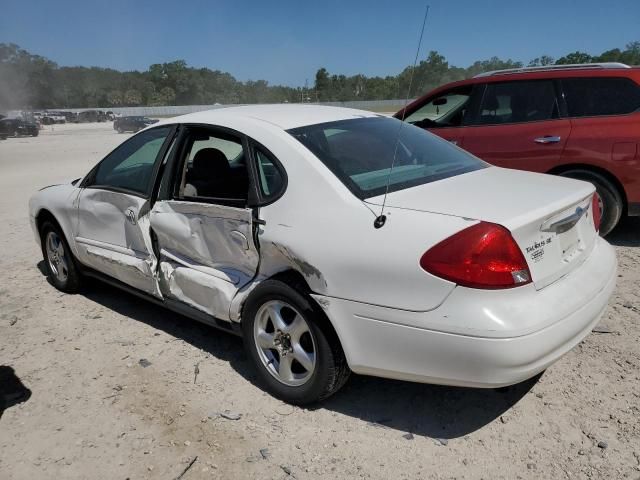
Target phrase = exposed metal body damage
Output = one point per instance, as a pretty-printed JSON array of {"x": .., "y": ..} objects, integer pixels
[{"x": 206, "y": 253}]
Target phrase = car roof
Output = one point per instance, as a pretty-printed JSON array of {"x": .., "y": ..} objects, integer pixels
[
  {"x": 535, "y": 73},
  {"x": 556, "y": 68},
  {"x": 285, "y": 116}
]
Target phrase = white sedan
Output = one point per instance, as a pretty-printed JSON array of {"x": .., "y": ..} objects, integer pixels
[{"x": 271, "y": 222}]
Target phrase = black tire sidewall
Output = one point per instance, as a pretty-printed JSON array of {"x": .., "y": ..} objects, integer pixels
[
  {"x": 611, "y": 201},
  {"x": 321, "y": 381},
  {"x": 71, "y": 285}
]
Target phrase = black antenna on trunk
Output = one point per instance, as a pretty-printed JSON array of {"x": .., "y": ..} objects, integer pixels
[{"x": 382, "y": 218}]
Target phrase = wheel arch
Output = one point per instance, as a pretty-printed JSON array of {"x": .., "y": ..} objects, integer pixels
[
  {"x": 43, "y": 215},
  {"x": 296, "y": 280},
  {"x": 606, "y": 174}
]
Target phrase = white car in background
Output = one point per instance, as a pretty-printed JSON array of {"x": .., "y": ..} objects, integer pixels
[{"x": 260, "y": 220}]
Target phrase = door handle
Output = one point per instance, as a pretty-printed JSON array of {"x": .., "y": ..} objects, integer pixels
[
  {"x": 240, "y": 238},
  {"x": 548, "y": 139},
  {"x": 131, "y": 215}
]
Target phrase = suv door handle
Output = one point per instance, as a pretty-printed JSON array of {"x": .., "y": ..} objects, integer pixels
[{"x": 548, "y": 139}]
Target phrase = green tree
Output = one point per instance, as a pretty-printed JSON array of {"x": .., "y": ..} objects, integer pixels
[
  {"x": 32, "y": 81},
  {"x": 132, "y": 98},
  {"x": 166, "y": 96},
  {"x": 323, "y": 84},
  {"x": 542, "y": 61},
  {"x": 575, "y": 57}
]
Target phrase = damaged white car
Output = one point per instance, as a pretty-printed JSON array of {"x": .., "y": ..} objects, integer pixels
[{"x": 271, "y": 221}]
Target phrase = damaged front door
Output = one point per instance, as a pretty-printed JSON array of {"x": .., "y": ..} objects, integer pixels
[
  {"x": 203, "y": 227},
  {"x": 112, "y": 232}
]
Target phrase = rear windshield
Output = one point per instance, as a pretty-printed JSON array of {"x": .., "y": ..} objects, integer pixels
[{"x": 360, "y": 153}]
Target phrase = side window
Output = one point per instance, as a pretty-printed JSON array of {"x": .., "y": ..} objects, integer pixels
[
  {"x": 517, "y": 102},
  {"x": 587, "y": 97},
  {"x": 271, "y": 180},
  {"x": 131, "y": 165},
  {"x": 446, "y": 110},
  {"x": 214, "y": 168}
]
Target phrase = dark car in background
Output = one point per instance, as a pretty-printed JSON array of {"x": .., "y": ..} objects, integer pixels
[
  {"x": 580, "y": 121},
  {"x": 16, "y": 127},
  {"x": 132, "y": 124},
  {"x": 90, "y": 116}
]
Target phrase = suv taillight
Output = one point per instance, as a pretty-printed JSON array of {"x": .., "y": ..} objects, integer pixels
[
  {"x": 484, "y": 255},
  {"x": 596, "y": 212}
]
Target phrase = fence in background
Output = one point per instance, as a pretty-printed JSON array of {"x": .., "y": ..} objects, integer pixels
[{"x": 172, "y": 111}]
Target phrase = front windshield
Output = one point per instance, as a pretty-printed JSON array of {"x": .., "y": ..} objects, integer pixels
[
  {"x": 445, "y": 110},
  {"x": 439, "y": 112},
  {"x": 360, "y": 153}
]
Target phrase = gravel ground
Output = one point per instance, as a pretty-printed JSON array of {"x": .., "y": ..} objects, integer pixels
[{"x": 113, "y": 392}]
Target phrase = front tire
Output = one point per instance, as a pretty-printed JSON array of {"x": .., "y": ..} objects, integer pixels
[
  {"x": 290, "y": 343},
  {"x": 62, "y": 270},
  {"x": 611, "y": 202}
]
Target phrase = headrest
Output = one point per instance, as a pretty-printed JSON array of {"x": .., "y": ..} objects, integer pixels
[
  {"x": 210, "y": 160},
  {"x": 490, "y": 102}
]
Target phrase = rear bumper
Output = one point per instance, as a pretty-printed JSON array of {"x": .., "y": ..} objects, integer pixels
[
  {"x": 633, "y": 209},
  {"x": 414, "y": 345}
]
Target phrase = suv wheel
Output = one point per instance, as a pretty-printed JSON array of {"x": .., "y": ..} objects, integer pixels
[
  {"x": 288, "y": 339},
  {"x": 611, "y": 202}
]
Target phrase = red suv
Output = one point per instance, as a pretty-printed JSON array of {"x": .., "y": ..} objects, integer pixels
[{"x": 580, "y": 121}]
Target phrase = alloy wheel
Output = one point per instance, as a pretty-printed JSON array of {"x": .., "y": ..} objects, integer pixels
[
  {"x": 285, "y": 343},
  {"x": 57, "y": 257}
]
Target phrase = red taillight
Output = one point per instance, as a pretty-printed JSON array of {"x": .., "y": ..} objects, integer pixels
[
  {"x": 482, "y": 256},
  {"x": 596, "y": 211}
]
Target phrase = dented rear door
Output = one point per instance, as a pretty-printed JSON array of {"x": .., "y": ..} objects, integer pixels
[
  {"x": 207, "y": 253},
  {"x": 201, "y": 224}
]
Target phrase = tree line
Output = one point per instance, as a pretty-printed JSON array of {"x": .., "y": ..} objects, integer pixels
[{"x": 33, "y": 81}]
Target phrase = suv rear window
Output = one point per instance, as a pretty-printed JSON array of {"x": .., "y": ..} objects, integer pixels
[
  {"x": 587, "y": 97},
  {"x": 360, "y": 153}
]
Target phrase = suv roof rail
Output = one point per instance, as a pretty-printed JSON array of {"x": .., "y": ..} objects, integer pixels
[{"x": 571, "y": 66}]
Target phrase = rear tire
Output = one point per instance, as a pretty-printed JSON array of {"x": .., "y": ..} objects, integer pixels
[
  {"x": 62, "y": 270},
  {"x": 612, "y": 204},
  {"x": 280, "y": 325}
]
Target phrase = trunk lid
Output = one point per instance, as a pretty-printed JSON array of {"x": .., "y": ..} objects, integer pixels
[{"x": 548, "y": 216}]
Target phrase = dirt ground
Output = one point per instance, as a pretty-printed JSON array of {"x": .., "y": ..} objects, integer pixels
[{"x": 91, "y": 408}]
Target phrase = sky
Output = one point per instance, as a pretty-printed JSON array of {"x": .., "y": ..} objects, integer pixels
[{"x": 285, "y": 42}]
